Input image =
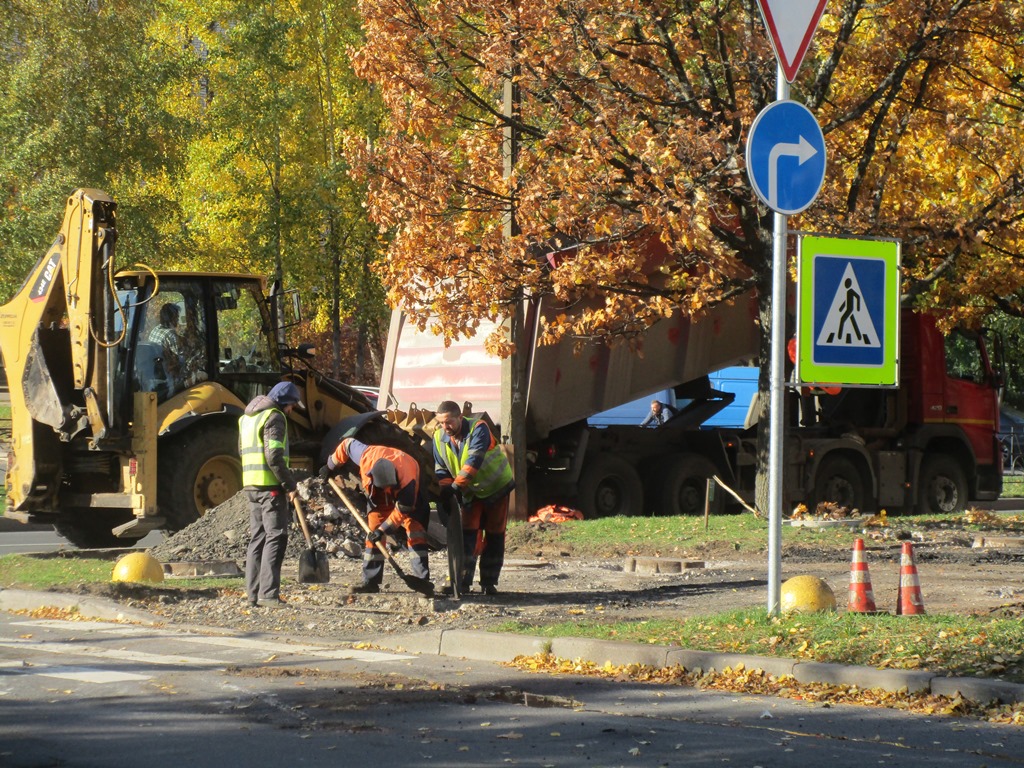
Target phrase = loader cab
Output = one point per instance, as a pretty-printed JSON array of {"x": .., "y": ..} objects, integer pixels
[{"x": 188, "y": 329}]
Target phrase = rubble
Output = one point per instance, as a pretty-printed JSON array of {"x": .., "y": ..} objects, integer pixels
[{"x": 223, "y": 532}]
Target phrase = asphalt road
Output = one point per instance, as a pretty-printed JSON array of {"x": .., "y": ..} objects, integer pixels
[
  {"x": 105, "y": 694},
  {"x": 15, "y": 538}
]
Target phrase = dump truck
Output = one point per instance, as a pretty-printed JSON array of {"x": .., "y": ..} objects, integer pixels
[
  {"x": 929, "y": 445},
  {"x": 117, "y": 432}
]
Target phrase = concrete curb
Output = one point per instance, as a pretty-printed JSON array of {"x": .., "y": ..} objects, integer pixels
[
  {"x": 499, "y": 647},
  {"x": 92, "y": 607},
  {"x": 479, "y": 645}
]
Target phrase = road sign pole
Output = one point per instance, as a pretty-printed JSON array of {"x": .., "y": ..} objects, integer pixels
[{"x": 777, "y": 371}]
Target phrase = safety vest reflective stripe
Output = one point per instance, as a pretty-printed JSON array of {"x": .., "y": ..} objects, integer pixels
[
  {"x": 255, "y": 469},
  {"x": 493, "y": 475}
]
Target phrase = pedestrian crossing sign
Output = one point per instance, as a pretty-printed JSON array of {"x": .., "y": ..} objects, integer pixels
[{"x": 848, "y": 298}]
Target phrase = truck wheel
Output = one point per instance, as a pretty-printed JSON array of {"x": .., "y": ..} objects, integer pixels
[
  {"x": 610, "y": 486},
  {"x": 92, "y": 528},
  {"x": 839, "y": 482},
  {"x": 942, "y": 487},
  {"x": 682, "y": 485},
  {"x": 197, "y": 471}
]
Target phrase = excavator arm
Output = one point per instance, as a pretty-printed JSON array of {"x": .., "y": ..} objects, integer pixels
[{"x": 56, "y": 336}]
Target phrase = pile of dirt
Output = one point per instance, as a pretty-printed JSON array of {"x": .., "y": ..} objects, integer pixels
[{"x": 223, "y": 532}]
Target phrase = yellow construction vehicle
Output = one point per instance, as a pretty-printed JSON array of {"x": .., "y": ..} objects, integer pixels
[{"x": 126, "y": 386}]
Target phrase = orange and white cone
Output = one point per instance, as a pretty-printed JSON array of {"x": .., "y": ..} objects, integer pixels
[
  {"x": 909, "y": 601},
  {"x": 862, "y": 599}
]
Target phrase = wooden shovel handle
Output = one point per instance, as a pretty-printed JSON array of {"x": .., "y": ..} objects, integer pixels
[
  {"x": 302, "y": 521},
  {"x": 359, "y": 518}
]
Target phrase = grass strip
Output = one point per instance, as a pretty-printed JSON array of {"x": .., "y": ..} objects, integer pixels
[
  {"x": 977, "y": 646},
  {"x": 51, "y": 572}
]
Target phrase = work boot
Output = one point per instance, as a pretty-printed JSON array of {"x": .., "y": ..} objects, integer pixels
[
  {"x": 488, "y": 589},
  {"x": 272, "y": 602},
  {"x": 365, "y": 588}
]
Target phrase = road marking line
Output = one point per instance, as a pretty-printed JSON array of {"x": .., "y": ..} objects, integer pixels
[
  {"x": 242, "y": 643},
  {"x": 103, "y": 653},
  {"x": 78, "y": 674}
]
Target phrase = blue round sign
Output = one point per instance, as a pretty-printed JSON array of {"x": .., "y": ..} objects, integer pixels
[{"x": 786, "y": 156}]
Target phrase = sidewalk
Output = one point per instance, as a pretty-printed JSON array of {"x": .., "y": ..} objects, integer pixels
[{"x": 499, "y": 647}]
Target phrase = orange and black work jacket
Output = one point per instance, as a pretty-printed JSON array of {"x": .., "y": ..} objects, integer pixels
[{"x": 399, "y": 501}]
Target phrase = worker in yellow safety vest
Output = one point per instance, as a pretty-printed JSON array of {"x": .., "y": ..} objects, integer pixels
[
  {"x": 270, "y": 488},
  {"x": 472, "y": 468}
]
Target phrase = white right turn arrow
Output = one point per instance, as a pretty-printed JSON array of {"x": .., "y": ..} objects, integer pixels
[{"x": 804, "y": 150}]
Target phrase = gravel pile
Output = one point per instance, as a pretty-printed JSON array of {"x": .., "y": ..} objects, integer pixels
[{"x": 223, "y": 532}]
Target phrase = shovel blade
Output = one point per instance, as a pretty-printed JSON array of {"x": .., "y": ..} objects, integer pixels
[
  {"x": 416, "y": 584},
  {"x": 313, "y": 568}
]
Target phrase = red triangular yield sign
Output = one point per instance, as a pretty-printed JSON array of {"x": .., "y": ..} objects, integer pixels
[{"x": 791, "y": 25}]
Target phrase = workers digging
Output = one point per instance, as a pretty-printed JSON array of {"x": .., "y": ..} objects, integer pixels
[{"x": 390, "y": 480}]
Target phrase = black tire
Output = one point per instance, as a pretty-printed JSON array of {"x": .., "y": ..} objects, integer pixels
[
  {"x": 681, "y": 485},
  {"x": 88, "y": 528},
  {"x": 838, "y": 481},
  {"x": 942, "y": 486},
  {"x": 609, "y": 486},
  {"x": 197, "y": 471}
]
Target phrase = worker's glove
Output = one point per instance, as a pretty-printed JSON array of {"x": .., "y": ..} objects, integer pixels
[
  {"x": 326, "y": 473},
  {"x": 449, "y": 492},
  {"x": 374, "y": 536}
]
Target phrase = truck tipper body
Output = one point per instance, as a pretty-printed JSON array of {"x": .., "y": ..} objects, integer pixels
[{"x": 929, "y": 445}]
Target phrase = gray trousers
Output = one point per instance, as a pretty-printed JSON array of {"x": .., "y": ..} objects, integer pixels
[{"x": 269, "y": 516}]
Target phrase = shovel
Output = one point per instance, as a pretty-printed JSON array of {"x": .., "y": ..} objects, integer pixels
[
  {"x": 313, "y": 566},
  {"x": 415, "y": 583}
]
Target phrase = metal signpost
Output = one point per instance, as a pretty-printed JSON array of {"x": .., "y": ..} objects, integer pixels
[{"x": 775, "y": 161}]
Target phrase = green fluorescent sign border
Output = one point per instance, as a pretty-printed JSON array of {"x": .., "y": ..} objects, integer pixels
[{"x": 809, "y": 373}]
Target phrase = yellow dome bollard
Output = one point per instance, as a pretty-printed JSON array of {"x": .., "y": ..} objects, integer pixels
[
  {"x": 138, "y": 566},
  {"x": 807, "y": 594}
]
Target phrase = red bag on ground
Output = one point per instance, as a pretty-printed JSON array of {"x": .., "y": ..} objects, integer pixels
[{"x": 555, "y": 513}]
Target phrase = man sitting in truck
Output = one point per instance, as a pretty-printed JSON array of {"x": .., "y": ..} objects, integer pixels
[{"x": 660, "y": 413}]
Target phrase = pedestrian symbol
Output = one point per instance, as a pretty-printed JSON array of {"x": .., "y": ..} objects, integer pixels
[
  {"x": 848, "y": 312},
  {"x": 848, "y": 323}
]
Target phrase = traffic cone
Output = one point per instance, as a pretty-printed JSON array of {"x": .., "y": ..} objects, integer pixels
[
  {"x": 862, "y": 599},
  {"x": 909, "y": 601}
]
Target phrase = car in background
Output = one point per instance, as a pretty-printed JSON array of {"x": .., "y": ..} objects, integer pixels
[{"x": 1011, "y": 435}]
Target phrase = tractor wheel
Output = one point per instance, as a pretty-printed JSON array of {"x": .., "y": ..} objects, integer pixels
[{"x": 197, "y": 471}]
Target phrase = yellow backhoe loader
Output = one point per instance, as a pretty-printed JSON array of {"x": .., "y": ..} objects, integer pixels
[{"x": 126, "y": 386}]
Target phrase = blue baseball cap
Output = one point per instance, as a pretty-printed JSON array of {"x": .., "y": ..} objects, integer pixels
[{"x": 286, "y": 393}]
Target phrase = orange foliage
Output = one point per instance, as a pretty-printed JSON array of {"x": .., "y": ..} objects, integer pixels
[{"x": 632, "y": 120}]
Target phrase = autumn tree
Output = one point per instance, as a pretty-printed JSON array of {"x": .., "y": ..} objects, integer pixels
[
  {"x": 267, "y": 185},
  {"x": 83, "y": 91},
  {"x": 633, "y": 118}
]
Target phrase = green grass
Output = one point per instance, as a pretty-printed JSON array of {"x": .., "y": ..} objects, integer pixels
[
  {"x": 959, "y": 645},
  {"x": 1013, "y": 486},
  {"x": 967, "y": 645},
  {"x": 53, "y": 572},
  {"x": 617, "y": 536},
  {"x": 30, "y": 572}
]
